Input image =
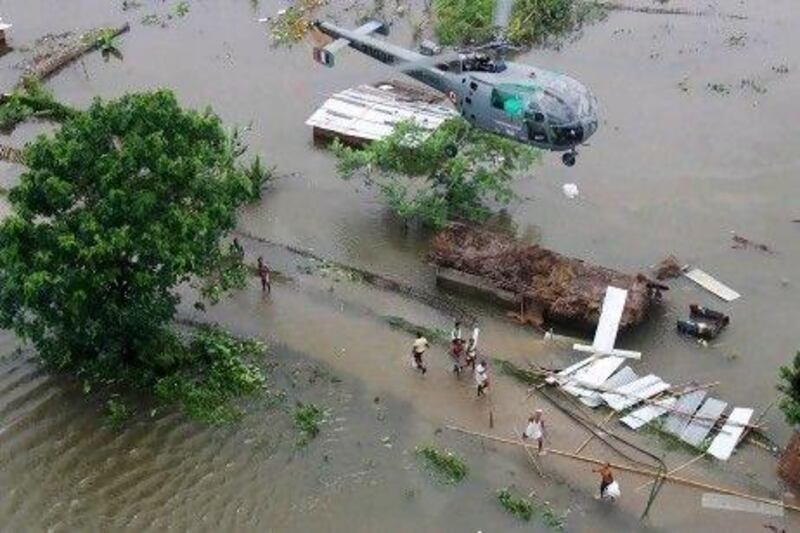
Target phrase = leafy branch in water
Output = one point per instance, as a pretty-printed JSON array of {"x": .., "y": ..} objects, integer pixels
[
  {"x": 525, "y": 509},
  {"x": 31, "y": 100},
  {"x": 422, "y": 179},
  {"x": 292, "y": 24},
  {"x": 446, "y": 465},
  {"x": 307, "y": 419}
]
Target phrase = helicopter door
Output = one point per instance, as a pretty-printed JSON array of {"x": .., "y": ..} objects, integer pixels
[{"x": 508, "y": 111}]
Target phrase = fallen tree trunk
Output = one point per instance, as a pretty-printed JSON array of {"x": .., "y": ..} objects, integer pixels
[
  {"x": 44, "y": 66},
  {"x": 564, "y": 289}
]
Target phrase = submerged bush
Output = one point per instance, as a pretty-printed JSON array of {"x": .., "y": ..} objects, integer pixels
[
  {"x": 790, "y": 387},
  {"x": 446, "y": 465},
  {"x": 515, "y": 505},
  {"x": 307, "y": 419}
]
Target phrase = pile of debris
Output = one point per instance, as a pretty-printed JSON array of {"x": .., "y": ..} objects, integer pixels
[{"x": 561, "y": 289}]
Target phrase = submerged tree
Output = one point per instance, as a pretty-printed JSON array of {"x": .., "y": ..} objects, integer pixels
[
  {"x": 125, "y": 202},
  {"x": 454, "y": 172},
  {"x": 790, "y": 387}
]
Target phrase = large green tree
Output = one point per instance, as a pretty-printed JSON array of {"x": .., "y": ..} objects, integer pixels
[
  {"x": 454, "y": 172},
  {"x": 116, "y": 209}
]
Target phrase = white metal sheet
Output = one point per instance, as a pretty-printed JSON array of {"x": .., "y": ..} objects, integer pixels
[
  {"x": 723, "y": 444},
  {"x": 633, "y": 393},
  {"x": 683, "y": 412},
  {"x": 703, "y": 421},
  {"x": 725, "y": 502},
  {"x": 623, "y": 377},
  {"x": 584, "y": 381},
  {"x": 712, "y": 285},
  {"x": 648, "y": 413},
  {"x": 606, "y": 333},
  {"x": 628, "y": 354}
]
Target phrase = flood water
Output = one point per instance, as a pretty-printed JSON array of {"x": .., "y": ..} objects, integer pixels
[{"x": 674, "y": 169}]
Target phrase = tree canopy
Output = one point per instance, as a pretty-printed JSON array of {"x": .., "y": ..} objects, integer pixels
[
  {"x": 790, "y": 387},
  {"x": 454, "y": 172},
  {"x": 123, "y": 203}
]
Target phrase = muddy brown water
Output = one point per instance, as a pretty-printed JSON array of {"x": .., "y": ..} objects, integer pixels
[{"x": 675, "y": 168}]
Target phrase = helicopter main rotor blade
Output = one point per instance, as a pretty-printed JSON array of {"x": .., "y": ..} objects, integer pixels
[{"x": 502, "y": 13}]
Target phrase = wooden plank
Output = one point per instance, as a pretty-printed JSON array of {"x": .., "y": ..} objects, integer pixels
[
  {"x": 623, "y": 377},
  {"x": 725, "y": 502},
  {"x": 703, "y": 421},
  {"x": 683, "y": 412},
  {"x": 607, "y": 327},
  {"x": 723, "y": 444},
  {"x": 712, "y": 285},
  {"x": 633, "y": 393},
  {"x": 648, "y": 413}
]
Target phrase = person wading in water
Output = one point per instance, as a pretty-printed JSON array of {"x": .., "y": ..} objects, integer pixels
[
  {"x": 417, "y": 350},
  {"x": 264, "y": 274}
]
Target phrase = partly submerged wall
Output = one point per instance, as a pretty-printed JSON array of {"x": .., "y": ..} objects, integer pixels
[{"x": 563, "y": 289}]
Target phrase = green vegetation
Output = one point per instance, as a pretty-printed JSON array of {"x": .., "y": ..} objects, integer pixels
[
  {"x": 432, "y": 334},
  {"x": 673, "y": 442},
  {"x": 182, "y": 8},
  {"x": 307, "y": 419},
  {"x": 789, "y": 386},
  {"x": 124, "y": 203},
  {"x": 446, "y": 465},
  {"x": 107, "y": 42},
  {"x": 292, "y": 24},
  {"x": 118, "y": 413},
  {"x": 462, "y": 22},
  {"x": 528, "y": 377},
  {"x": 421, "y": 180},
  {"x": 31, "y": 100},
  {"x": 525, "y": 509},
  {"x": 516, "y": 505}
]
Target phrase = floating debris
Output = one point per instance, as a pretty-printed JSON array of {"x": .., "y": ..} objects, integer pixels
[{"x": 711, "y": 284}]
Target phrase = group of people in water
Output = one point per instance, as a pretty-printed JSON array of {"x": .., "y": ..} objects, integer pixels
[{"x": 464, "y": 353}]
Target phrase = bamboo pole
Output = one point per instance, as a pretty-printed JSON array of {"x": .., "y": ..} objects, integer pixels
[
  {"x": 640, "y": 471},
  {"x": 590, "y": 437},
  {"x": 676, "y": 469}
]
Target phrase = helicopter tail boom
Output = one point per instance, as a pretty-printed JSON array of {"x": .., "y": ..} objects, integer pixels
[{"x": 361, "y": 39}]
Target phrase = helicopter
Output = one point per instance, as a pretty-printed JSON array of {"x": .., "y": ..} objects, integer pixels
[{"x": 533, "y": 106}]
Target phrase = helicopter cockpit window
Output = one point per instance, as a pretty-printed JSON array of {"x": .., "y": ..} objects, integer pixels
[
  {"x": 451, "y": 66},
  {"x": 510, "y": 102}
]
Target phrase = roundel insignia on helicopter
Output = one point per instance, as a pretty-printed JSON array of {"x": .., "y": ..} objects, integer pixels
[{"x": 452, "y": 96}]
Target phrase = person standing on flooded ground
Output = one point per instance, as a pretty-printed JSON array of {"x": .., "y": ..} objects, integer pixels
[
  {"x": 457, "y": 353},
  {"x": 264, "y": 274},
  {"x": 482, "y": 377},
  {"x": 471, "y": 353},
  {"x": 535, "y": 430},
  {"x": 417, "y": 350},
  {"x": 237, "y": 249},
  {"x": 609, "y": 488}
]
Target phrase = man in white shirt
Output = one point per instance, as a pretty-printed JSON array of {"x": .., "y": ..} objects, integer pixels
[
  {"x": 417, "y": 350},
  {"x": 535, "y": 430},
  {"x": 482, "y": 377}
]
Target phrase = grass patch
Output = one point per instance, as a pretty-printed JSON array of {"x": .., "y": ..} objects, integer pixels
[
  {"x": 463, "y": 22},
  {"x": 447, "y": 466},
  {"x": 307, "y": 419},
  {"x": 432, "y": 334},
  {"x": 117, "y": 413},
  {"x": 525, "y": 509},
  {"x": 31, "y": 100}
]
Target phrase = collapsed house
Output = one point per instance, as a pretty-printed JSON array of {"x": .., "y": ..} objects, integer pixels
[{"x": 547, "y": 285}]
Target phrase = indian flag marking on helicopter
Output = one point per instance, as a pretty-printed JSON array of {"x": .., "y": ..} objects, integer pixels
[{"x": 371, "y": 113}]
